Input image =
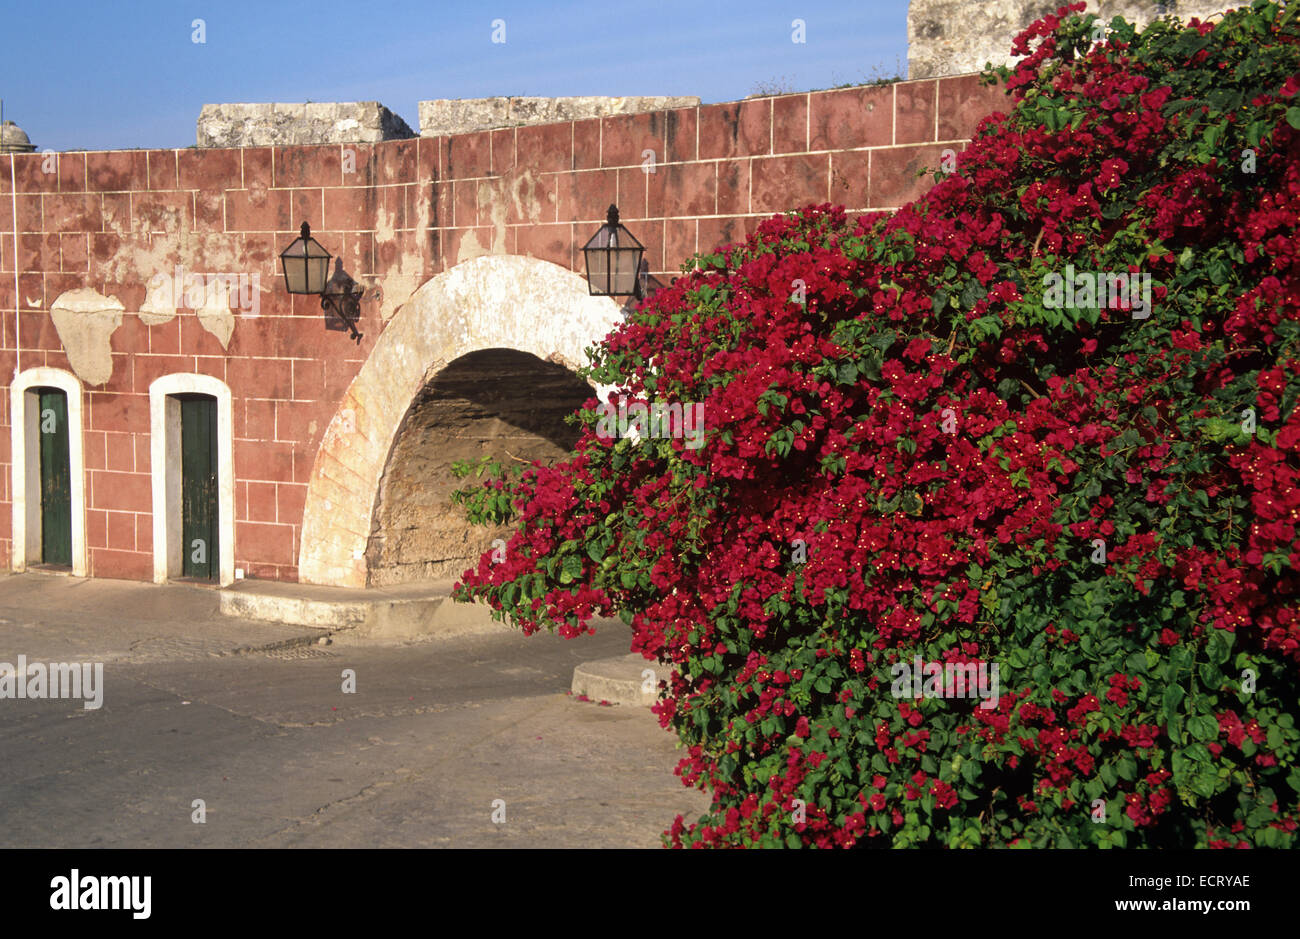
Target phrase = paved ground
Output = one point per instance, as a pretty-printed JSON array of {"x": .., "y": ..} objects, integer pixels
[{"x": 435, "y": 733}]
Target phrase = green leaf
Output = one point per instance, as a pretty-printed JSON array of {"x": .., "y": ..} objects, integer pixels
[
  {"x": 883, "y": 339},
  {"x": 1224, "y": 99},
  {"x": 1126, "y": 767},
  {"x": 1219, "y": 648},
  {"x": 1204, "y": 783},
  {"x": 1173, "y": 698},
  {"x": 1203, "y": 727},
  {"x": 1108, "y": 775},
  {"x": 572, "y": 569}
]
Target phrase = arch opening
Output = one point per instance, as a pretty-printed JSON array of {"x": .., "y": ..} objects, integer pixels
[{"x": 500, "y": 402}]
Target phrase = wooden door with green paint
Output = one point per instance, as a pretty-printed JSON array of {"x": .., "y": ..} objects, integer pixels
[
  {"x": 56, "y": 478},
  {"x": 199, "y": 487}
]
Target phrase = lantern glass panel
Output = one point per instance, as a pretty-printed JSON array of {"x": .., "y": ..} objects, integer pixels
[
  {"x": 598, "y": 270},
  {"x": 295, "y": 274},
  {"x": 626, "y": 264},
  {"x": 613, "y": 258},
  {"x": 306, "y": 266},
  {"x": 318, "y": 270}
]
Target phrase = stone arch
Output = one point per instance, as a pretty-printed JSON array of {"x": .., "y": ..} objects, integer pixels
[{"x": 503, "y": 302}]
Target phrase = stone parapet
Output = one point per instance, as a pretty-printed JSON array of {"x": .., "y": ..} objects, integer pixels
[
  {"x": 316, "y": 122},
  {"x": 465, "y": 115}
]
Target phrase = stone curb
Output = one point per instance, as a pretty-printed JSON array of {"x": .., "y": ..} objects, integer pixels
[
  {"x": 619, "y": 680},
  {"x": 379, "y": 615}
]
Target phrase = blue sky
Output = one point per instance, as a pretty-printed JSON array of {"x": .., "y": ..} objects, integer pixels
[{"x": 114, "y": 74}]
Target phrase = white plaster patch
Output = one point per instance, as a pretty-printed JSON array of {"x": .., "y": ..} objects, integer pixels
[
  {"x": 523, "y": 192},
  {"x": 398, "y": 286},
  {"x": 400, "y": 280},
  {"x": 492, "y": 195},
  {"x": 85, "y": 320},
  {"x": 469, "y": 248},
  {"x": 159, "y": 305},
  {"x": 217, "y": 319}
]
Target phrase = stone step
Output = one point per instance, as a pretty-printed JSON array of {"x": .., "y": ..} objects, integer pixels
[
  {"x": 406, "y": 611},
  {"x": 620, "y": 680}
]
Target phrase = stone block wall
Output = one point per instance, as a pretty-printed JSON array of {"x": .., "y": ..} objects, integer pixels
[
  {"x": 91, "y": 233},
  {"x": 111, "y": 221},
  {"x": 718, "y": 169}
]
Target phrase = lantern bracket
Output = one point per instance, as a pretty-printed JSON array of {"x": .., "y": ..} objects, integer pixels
[{"x": 342, "y": 298}]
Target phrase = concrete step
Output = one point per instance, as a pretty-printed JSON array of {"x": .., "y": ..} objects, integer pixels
[
  {"x": 620, "y": 680},
  {"x": 405, "y": 611}
]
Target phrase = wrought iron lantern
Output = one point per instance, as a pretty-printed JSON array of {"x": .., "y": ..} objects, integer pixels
[
  {"x": 306, "y": 267},
  {"x": 306, "y": 264},
  {"x": 613, "y": 259}
]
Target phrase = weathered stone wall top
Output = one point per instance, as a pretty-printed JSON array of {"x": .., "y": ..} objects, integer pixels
[
  {"x": 466, "y": 115},
  {"x": 951, "y": 37},
  {"x": 267, "y": 125}
]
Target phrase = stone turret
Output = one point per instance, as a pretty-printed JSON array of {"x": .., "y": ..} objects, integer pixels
[{"x": 14, "y": 140}]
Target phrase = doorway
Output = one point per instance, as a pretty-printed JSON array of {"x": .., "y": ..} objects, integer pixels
[
  {"x": 48, "y": 471},
  {"x": 200, "y": 539},
  {"x": 56, "y": 478},
  {"x": 193, "y": 479}
]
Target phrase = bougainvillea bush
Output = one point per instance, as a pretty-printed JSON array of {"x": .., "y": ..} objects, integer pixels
[{"x": 928, "y": 440}]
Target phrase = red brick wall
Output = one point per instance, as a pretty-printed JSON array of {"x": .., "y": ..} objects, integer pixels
[{"x": 110, "y": 220}]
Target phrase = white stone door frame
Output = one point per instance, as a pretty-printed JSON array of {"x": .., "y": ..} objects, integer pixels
[
  {"x": 165, "y": 469},
  {"x": 25, "y": 457}
]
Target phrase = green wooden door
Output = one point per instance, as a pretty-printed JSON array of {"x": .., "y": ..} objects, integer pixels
[
  {"x": 199, "y": 487},
  {"x": 56, "y": 479}
]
